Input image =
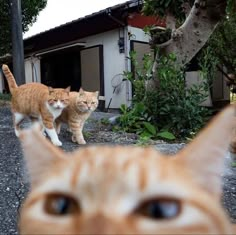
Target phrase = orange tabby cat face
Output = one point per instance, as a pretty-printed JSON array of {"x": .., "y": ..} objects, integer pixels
[
  {"x": 87, "y": 101},
  {"x": 58, "y": 98},
  {"x": 127, "y": 190}
]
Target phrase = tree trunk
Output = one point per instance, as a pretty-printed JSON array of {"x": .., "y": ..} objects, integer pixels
[{"x": 191, "y": 36}]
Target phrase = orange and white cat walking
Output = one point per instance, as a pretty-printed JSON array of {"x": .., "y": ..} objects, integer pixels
[
  {"x": 38, "y": 102},
  {"x": 128, "y": 190}
]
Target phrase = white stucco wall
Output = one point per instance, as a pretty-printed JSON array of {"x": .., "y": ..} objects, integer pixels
[
  {"x": 114, "y": 64},
  {"x": 138, "y": 34}
]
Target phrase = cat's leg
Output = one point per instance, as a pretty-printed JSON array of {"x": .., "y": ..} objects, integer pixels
[
  {"x": 50, "y": 130},
  {"x": 58, "y": 126},
  {"x": 17, "y": 119},
  {"x": 78, "y": 137},
  {"x": 42, "y": 126},
  {"x": 77, "y": 134}
]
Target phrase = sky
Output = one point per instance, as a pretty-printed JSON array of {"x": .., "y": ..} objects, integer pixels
[{"x": 58, "y": 12}]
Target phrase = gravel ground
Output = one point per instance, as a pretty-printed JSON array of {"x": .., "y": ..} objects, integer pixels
[{"x": 13, "y": 187}]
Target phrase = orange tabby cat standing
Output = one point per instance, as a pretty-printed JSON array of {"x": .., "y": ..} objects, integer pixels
[
  {"x": 82, "y": 104},
  {"x": 128, "y": 190},
  {"x": 38, "y": 102}
]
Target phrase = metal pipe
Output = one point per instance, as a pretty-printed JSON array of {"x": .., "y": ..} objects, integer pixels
[{"x": 108, "y": 11}]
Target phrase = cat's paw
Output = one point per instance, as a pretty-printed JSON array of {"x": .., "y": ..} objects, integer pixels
[
  {"x": 57, "y": 142},
  {"x": 79, "y": 141}
]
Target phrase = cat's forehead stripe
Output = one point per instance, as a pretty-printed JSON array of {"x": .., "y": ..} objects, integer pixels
[
  {"x": 95, "y": 160},
  {"x": 77, "y": 168},
  {"x": 142, "y": 177},
  {"x": 115, "y": 156}
]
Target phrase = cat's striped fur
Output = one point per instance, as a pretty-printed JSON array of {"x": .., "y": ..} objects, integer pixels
[
  {"x": 82, "y": 104},
  {"x": 128, "y": 190},
  {"x": 38, "y": 102}
]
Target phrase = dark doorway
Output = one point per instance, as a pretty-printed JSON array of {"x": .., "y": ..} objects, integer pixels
[{"x": 61, "y": 69}]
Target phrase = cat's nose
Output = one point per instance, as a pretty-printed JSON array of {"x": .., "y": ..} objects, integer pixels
[
  {"x": 99, "y": 224},
  {"x": 58, "y": 105}
]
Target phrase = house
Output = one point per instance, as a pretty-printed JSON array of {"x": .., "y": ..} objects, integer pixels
[{"x": 92, "y": 52}]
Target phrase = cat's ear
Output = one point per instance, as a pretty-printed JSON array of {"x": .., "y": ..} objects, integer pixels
[
  {"x": 50, "y": 89},
  {"x": 38, "y": 152},
  {"x": 205, "y": 155},
  {"x": 68, "y": 89},
  {"x": 81, "y": 92},
  {"x": 96, "y": 93}
]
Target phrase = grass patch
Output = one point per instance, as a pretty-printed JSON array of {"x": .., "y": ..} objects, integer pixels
[{"x": 6, "y": 97}]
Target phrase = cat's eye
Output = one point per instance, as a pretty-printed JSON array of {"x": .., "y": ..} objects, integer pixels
[
  {"x": 85, "y": 102},
  {"x": 61, "y": 205},
  {"x": 159, "y": 209},
  {"x": 55, "y": 100},
  {"x": 51, "y": 101}
]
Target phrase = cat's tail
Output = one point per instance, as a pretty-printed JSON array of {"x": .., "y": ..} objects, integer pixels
[{"x": 10, "y": 78}]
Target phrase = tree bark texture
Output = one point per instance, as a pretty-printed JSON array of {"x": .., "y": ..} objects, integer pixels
[{"x": 191, "y": 36}]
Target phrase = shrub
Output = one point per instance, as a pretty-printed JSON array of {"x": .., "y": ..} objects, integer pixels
[
  {"x": 137, "y": 120},
  {"x": 172, "y": 106}
]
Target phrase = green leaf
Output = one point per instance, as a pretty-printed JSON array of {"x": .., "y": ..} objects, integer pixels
[
  {"x": 146, "y": 134},
  {"x": 123, "y": 108},
  {"x": 166, "y": 135},
  {"x": 150, "y": 128}
]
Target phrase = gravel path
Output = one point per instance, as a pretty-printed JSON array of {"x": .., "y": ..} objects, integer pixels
[{"x": 13, "y": 187}]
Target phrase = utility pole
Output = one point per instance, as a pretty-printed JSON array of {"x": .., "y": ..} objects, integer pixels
[{"x": 17, "y": 42}]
